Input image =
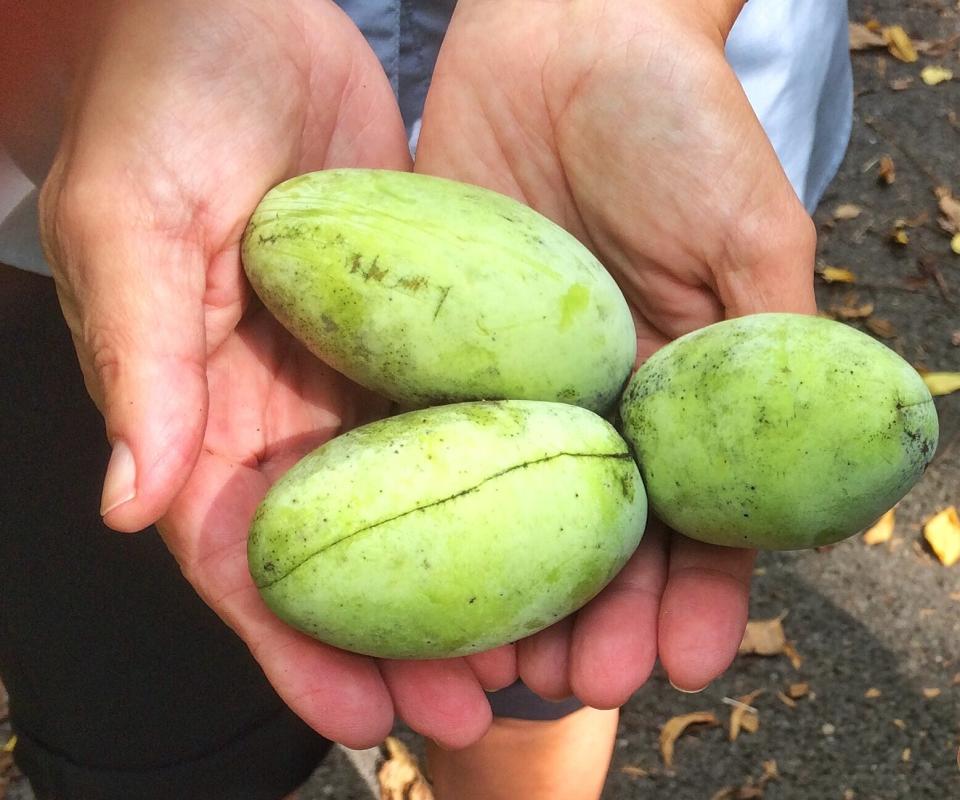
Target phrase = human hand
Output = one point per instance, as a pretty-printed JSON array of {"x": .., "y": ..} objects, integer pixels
[
  {"x": 183, "y": 116},
  {"x": 624, "y": 123}
]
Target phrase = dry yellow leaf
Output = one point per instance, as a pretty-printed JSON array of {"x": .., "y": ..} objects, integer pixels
[
  {"x": 847, "y": 211},
  {"x": 863, "y": 37},
  {"x": 932, "y": 75},
  {"x": 872, "y": 693},
  {"x": 798, "y": 690},
  {"x": 791, "y": 652},
  {"x": 743, "y": 716},
  {"x": 887, "y": 171},
  {"x": 942, "y": 533},
  {"x": 787, "y": 701},
  {"x": 881, "y": 327},
  {"x": 726, "y": 793},
  {"x": 931, "y": 693},
  {"x": 400, "y": 777},
  {"x": 763, "y": 637},
  {"x": 837, "y": 275},
  {"x": 949, "y": 209},
  {"x": 674, "y": 728},
  {"x": 635, "y": 772},
  {"x": 899, "y": 236},
  {"x": 882, "y": 529},
  {"x": 852, "y": 312},
  {"x": 906, "y": 755},
  {"x": 955, "y": 243},
  {"x": 941, "y": 383},
  {"x": 900, "y": 724},
  {"x": 899, "y": 44}
]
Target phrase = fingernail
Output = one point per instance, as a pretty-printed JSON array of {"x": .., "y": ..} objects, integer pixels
[
  {"x": 120, "y": 484},
  {"x": 689, "y": 691}
]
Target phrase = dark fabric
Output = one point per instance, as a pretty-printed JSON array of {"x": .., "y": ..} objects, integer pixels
[
  {"x": 519, "y": 702},
  {"x": 122, "y": 683}
]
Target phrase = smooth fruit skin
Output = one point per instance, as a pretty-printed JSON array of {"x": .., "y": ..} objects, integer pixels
[
  {"x": 431, "y": 291},
  {"x": 449, "y": 530},
  {"x": 777, "y": 431}
]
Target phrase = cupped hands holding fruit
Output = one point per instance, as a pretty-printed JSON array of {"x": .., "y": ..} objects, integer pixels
[{"x": 628, "y": 129}]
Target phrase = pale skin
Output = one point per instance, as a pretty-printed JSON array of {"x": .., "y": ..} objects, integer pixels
[{"x": 622, "y": 123}]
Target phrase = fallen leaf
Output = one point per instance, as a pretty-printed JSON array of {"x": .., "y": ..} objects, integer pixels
[
  {"x": 726, "y": 793},
  {"x": 828, "y": 729},
  {"x": 881, "y": 327},
  {"x": 764, "y": 637},
  {"x": 787, "y": 701},
  {"x": 798, "y": 690},
  {"x": 849, "y": 794},
  {"x": 863, "y": 38},
  {"x": 899, "y": 44},
  {"x": 927, "y": 612},
  {"x": 852, "y": 312},
  {"x": 932, "y": 75},
  {"x": 941, "y": 383},
  {"x": 887, "y": 171},
  {"x": 949, "y": 209},
  {"x": 942, "y": 533},
  {"x": 749, "y": 722},
  {"x": 751, "y": 790},
  {"x": 937, "y": 48},
  {"x": 399, "y": 776},
  {"x": 743, "y": 715},
  {"x": 955, "y": 336},
  {"x": 674, "y": 728},
  {"x": 899, "y": 236},
  {"x": 872, "y": 693},
  {"x": 905, "y": 755},
  {"x": 635, "y": 772},
  {"x": 837, "y": 275},
  {"x": 900, "y": 724},
  {"x": 931, "y": 693},
  {"x": 882, "y": 529},
  {"x": 899, "y": 84},
  {"x": 956, "y": 679},
  {"x": 795, "y": 658},
  {"x": 847, "y": 211},
  {"x": 955, "y": 243}
]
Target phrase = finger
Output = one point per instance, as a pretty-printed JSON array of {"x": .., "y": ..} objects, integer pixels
[
  {"x": 495, "y": 669},
  {"x": 340, "y": 695},
  {"x": 440, "y": 699},
  {"x": 703, "y": 612},
  {"x": 134, "y": 303},
  {"x": 543, "y": 660},
  {"x": 614, "y": 643}
]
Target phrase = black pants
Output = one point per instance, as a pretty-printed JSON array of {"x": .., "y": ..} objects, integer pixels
[{"x": 123, "y": 685}]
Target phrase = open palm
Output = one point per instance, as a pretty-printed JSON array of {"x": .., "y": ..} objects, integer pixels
[
  {"x": 180, "y": 126},
  {"x": 624, "y": 123}
]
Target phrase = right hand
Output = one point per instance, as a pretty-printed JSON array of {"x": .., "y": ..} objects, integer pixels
[{"x": 184, "y": 115}]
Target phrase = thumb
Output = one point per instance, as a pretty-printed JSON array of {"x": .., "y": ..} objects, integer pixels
[
  {"x": 134, "y": 303},
  {"x": 769, "y": 261}
]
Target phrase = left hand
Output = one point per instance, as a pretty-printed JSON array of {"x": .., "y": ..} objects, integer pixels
[{"x": 624, "y": 123}]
